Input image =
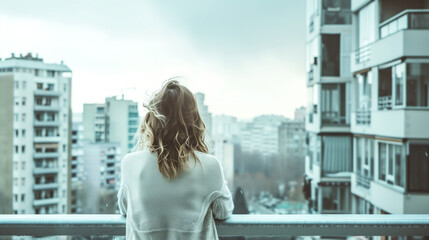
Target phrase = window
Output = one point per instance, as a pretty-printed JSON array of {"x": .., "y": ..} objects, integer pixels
[
  {"x": 367, "y": 25},
  {"x": 363, "y": 90},
  {"x": 24, "y": 84},
  {"x": 398, "y": 76},
  {"x": 337, "y": 154},
  {"x": 15, "y": 196},
  {"x": 133, "y": 114},
  {"x": 336, "y": 12},
  {"x": 333, "y": 105},
  {"x": 335, "y": 199},
  {"x": 132, "y": 122},
  {"x": 16, "y": 85},
  {"x": 48, "y": 102},
  {"x": 418, "y": 84},
  {"x": 418, "y": 168},
  {"x": 39, "y": 101},
  {"x": 16, "y": 117},
  {"x": 23, "y": 149},
  {"x": 392, "y": 164},
  {"x": 36, "y": 72},
  {"x": 23, "y": 117},
  {"x": 16, "y": 132},
  {"x": 23, "y": 101},
  {"x": 330, "y": 54},
  {"x": 16, "y": 149},
  {"x": 65, "y": 88},
  {"x": 50, "y": 87},
  {"x": 23, "y": 132},
  {"x": 50, "y": 73},
  {"x": 100, "y": 110},
  {"x": 23, "y": 181},
  {"x": 39, "y": 86}
]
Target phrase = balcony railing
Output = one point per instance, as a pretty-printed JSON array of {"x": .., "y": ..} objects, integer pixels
[
  {"x": 236, "y": 225},
  {"x": 385, "y": 102},
  {"x": 363, "y": 117},
  {"x": 408, "y": 19},
  {"x": 363, "y": 54},
  {"x": 363, "y": 181}
]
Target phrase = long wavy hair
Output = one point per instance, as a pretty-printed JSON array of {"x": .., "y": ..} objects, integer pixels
[{"x": 173, "y": 128}]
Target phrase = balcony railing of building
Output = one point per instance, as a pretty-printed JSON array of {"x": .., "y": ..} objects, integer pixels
[
  {"x": 363, "y": 54},
  {"x": 385, "y": 102},
  {"x": 363, "y": 181},
  {"x": 408, "y": 19},
  {"x": 236, "y": 225},
  {"x": 363, "y": 117}
]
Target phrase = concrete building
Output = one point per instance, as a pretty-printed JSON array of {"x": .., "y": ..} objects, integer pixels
[
  {"x": 36, "y": 126},
  {"x": 224, "y": 152},
  {"x": 101, "y": 176},
  {"x": 262, "y": 135},
  {"x": 116, "y": 120},
  {"x": 390, "y": 107},
  {"x": 204, "y": 113},
  {"x": 329, "y": 83},
  {"x": 77, "y": 167}
]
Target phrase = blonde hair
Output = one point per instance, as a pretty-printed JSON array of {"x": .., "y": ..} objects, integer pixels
[{"x": 173, "y": 128}]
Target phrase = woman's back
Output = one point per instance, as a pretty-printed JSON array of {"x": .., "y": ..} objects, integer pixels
[{"x": 181, "y": 209}]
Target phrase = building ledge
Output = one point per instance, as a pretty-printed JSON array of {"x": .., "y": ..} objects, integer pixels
[{"x": 236, "y": 225}]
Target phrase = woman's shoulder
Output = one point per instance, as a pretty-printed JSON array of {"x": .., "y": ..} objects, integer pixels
[
  {"x": 132, "y": 157},
  {"x": 208, "y": 160}
]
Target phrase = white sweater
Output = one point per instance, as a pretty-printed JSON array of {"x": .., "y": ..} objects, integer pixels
[{"x": 181, "y": 209}]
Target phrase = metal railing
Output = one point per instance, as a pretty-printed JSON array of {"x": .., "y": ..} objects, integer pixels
[
  {"x": 385, "y": 102},
  {"x": 236, "y": 225},
  {"x": 363, "y": 54},
  {"x": 363, "y": 116}
]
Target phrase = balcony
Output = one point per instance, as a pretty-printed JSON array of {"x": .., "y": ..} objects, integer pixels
[
  {"x": 363, "y": 117},
  {"x": 45, "y": 186},
  {"x": 408, "y": 19},
  {"x": 38, "y": 139},
  {"x": 236, "y": 225},
  {"x": 45, "y": 170},
  {"x": 50, "y": 93},
  {"x": 47, "y": 201},
  {"x": 46, "y": 108},
  {"x": 45, "y": 155},
  {"x": 385, "y": 103},
  {"x": 46, "y": 123}
]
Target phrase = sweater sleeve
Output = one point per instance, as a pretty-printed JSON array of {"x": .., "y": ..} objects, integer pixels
[
  {"x": 122, "y": 200},
  {"x": 223, "y": 204}
]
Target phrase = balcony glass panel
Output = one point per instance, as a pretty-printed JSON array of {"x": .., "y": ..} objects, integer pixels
[
  {"x": 337, "y": 154},
  {"x": 385, "y": 89},
  {"x": 418, "y": 84},
  {"x": 418, "y": 168},
  {"x": 408, "y": 19},
  {"x": 336, "y": 12},
  {"x": 333, "y": 104},
  {"x": 398, "y": 74},
  {"x": 330, "y": 55}
]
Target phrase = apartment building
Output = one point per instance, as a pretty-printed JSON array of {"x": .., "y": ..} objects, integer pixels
[
  {"x": 76, "y": 167},
  {"x": 36, "y": 122},
  {"x": 206, "y": 116},
  {"x": 328, "y": 120},
  {"x": 390, "y": 107},
  {"x": 116, "y": 120}
]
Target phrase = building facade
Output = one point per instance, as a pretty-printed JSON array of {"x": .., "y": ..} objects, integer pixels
[
  {"x": 328, "y": 120},
  {"x": 116, "y": 120},
  {"x": 390, "y": 116},
  {"x": 37, "y": 96}
]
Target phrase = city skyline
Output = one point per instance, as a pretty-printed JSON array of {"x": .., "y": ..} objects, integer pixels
[{"x": 144, "y": 44}]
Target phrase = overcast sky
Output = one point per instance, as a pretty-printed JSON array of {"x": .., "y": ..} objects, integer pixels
[{"x": 247, "y": 56}]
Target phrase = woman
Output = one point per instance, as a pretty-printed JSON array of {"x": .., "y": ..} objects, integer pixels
[{"x": 172, "y": 188}]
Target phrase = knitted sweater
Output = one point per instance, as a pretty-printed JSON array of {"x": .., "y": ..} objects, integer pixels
[{"x": 181, "y": 209}]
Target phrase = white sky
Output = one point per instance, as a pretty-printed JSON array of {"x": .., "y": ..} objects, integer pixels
[{"x": 247, "y": 56}]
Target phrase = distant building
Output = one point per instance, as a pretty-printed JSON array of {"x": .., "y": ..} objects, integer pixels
[
  {"x": 224, "y": 152},
  {"x": 101, "y": 177},
  {"x": 35, "y": 136},
  {"x": 300, "y": 114},
  {"x": 261, "y": 135},
  {"x": 77, "y": 167},
  {"x": 204, "y": 113},
  {"x": 224, "y": 126},
  {"x": 116, "y": 120}
]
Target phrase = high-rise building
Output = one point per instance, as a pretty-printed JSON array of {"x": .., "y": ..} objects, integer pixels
[
  {"x": 329, "y": 82},
  {"x": 261, "y": 135},
  {"x": 76, "y": 166},
  {"x": 35, "y": 137},
  {"x": 390, "y": 108},
  {"x": 101, "y": 176},
  {"x": 117, "y": 120},
  {"x": 203, "y": 109}
]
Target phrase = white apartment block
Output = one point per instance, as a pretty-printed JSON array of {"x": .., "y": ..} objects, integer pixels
[
  {"x": 101, "y": 176},
  {"x": 116, "y": 120},
  {"x": 261, "y": 135},
  {"x": 76, "y": 167},
  {"x": 390, "y": 107},
  {"x": 39, "y": 103},
  {"x": 206, "y": 116},
  {"x": 328, "y": 120}
]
